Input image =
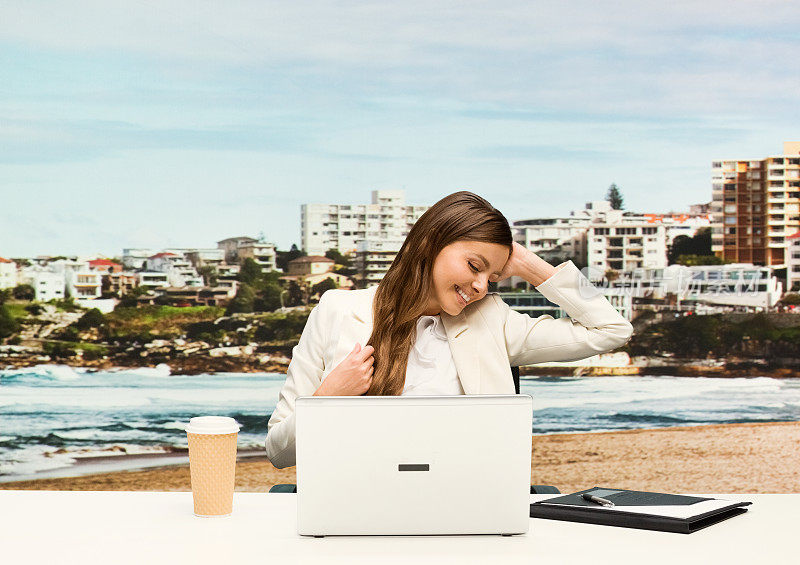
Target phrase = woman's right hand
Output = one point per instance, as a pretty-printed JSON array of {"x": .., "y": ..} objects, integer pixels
[{"x": 351, "y": 377}]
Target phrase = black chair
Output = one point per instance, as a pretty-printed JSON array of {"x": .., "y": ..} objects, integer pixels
[{"x": 515, "y": 376}]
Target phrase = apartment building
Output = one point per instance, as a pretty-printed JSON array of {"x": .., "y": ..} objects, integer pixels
[
  {"x": 793, "y": 262},
  {"x": 741, "y": 285},
  {"x": 262, "y": 253},
  {"x": 121, "y": 282},
  {"x": 614, "y": 244},
  {"x": 237, "y": 249},
  {"x": 553, "y": 237},
  {"x": 8, "y": 273},
  {"x": 373, "y": 259},
  {"x": 756, "y": 206},
  {"x": 343, "y": 226},
  {"x": 153, "y": 280},
  {"x": 179, "y": 270},
  {"x": 680, "y": 224},
  {"x": 230, "y": 247},
  {"x": 134, "y": 258},
  {"x": 81, "y": 281},
  {"x": 572, "y": 236},
  {"x": 213, "y": 257},
  {"x": 84, "y": 284},
  {"x": 47, "y": 285}
]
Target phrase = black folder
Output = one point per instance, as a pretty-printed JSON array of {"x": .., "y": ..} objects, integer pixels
[{"x": 573, "y": 508}]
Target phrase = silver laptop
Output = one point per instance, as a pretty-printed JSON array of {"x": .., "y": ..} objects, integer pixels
[{"x": 413, "y": 465}]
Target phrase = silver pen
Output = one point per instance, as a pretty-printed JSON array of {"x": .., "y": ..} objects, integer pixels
[{"x": 597, "y": 499}]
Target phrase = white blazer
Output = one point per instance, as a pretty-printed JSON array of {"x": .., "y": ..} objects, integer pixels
[{"x": 486, "y": 338}]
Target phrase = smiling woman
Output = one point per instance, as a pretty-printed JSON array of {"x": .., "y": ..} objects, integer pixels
[{"x": 431, "y": 327}]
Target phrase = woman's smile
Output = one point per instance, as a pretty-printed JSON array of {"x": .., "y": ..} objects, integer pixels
[{"x": 463, "y": 297}]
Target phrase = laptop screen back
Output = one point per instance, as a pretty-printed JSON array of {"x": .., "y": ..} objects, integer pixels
[{"x": 413, "y": 465}]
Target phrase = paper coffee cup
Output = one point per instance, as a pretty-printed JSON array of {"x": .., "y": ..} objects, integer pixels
[{"x": 212, "y": 463}]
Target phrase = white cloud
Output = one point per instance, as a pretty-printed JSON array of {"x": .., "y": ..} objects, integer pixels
[
  {"x": 586, "y": 55},
  {"x": 383, "y": 33},
  {"x": 205, "y": 116}
]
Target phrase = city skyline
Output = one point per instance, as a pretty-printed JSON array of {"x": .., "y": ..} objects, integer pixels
[{"x": 176, "y": 125}]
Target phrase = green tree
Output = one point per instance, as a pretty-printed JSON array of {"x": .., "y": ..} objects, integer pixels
[
  {"x": 296, "y": 296},
  {"x": 271, "y": 277},
  {"x": 250, "y": 273},
  {"x": 337, "y": 257},
  {"x": 791, "y": 299},
  {"x": 243, "y": 301},
  {"x": 33, "y": 309},
  {"x": 209, "y": 274},
  {"x": 8, "y": 325},
  {"x": 322, "y": 286},
  {"x": 698, "y": 244},
  {"x": 343, "y": 263},
  {"x": 129, "y": 300},
  {"x": 614, "y": 195},
  {"x": 5, "y": 295},
  {"x": 92, "y": 319},
  {"x": 24, "y": 292},
  {"x": 283, "y": 257},
  {"x": 269, "y": 299}
]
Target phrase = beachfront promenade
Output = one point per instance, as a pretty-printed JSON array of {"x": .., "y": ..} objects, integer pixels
[{"x": 149, "y": 527}]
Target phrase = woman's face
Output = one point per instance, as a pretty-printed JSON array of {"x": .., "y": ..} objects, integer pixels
[{"x": 465, "y": 266}]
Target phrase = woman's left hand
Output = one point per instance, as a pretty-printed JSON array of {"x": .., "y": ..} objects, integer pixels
[{"x": 527, "y": 265}]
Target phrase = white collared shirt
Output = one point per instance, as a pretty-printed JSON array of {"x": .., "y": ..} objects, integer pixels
[{"x": 431, "y": 370}]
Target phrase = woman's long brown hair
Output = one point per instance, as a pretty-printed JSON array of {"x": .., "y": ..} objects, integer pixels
[{"x": 402, "y": 295}]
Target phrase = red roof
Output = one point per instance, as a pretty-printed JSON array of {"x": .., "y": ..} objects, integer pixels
[
  {"x": 794, "y": 236},
  {"x": 102, "y": 262},
  {"x": 163, "y": 254},
  {"x": 3, "y": 260}
]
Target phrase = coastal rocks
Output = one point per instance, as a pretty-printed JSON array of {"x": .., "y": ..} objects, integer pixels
[
  {"x": 49, "y": 321},
  {"x": 234, "y": 351}
]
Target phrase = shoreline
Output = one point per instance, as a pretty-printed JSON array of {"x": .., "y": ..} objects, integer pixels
[
  {"x": 105, "y": 464},
  {"x": 652, "y": 367},
  {"x": 750, "y": 457}
]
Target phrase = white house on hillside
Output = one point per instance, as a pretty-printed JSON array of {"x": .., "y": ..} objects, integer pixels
[{"x": 8, "y": 273}]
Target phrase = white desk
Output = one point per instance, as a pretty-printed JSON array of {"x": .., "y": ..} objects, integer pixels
[{"x": 159, "y": 527}]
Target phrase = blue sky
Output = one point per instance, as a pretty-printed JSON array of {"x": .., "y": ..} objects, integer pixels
[{"x": 177, "y": 123}]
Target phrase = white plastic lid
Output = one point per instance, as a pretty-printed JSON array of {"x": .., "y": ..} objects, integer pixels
[{"x": 212, "y": 425}]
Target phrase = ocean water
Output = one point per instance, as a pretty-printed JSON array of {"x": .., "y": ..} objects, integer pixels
[{"x": 51, "y": 415}]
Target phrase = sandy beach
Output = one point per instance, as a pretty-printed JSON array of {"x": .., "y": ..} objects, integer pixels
[{"x": 746, "y": 458}]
